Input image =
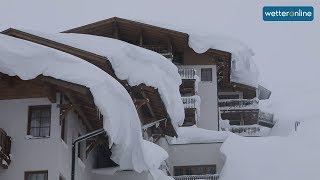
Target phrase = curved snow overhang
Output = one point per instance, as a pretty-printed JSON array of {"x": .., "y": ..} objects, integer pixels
[
  {"x": 79, "y": 97},
  {"x": 152, "y": 103},
  {"x": 113, "y": 26}
]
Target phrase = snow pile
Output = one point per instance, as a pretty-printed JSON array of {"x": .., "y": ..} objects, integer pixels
[
  {"x": 28, "y": 60},
  {"x": 134, "y": 64},
  {"x": 243, "y": 68},
  {"x": 294, "y": 157},
  {"x": 193, "y": 134}
]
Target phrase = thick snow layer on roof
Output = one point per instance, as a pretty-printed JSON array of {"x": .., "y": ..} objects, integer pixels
[
  {"x": 243, "y": 68},
  {"x": 294, "y": 157},
  {"x": 193, "y": 134},
  {"x": 121, "y": 122},
  {"x": 134, "y": 64}
]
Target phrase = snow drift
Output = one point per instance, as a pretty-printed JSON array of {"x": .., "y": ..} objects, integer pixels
[
  {"x": 134, "y": 64},
  {"x": 28, "y": 60}
]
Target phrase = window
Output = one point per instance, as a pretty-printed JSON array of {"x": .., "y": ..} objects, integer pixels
[
  {"x": 194, "y": 170},
  {"x": 39, "y": 121},
  {"x": 206, "y": 74},
  {"x": 36, "y": 175}
]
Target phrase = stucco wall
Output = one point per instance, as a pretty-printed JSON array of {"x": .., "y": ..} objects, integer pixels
[
  {"x": 50, "y": 154},
  {"x": 195, "y": 154},
  {"x": 208, "y": 94},
  {"x": 123, "y": 175}
]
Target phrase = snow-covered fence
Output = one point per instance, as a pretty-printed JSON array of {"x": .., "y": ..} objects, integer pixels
[
  {"x": 265, "y": 119},
  {"x": 228, "y": 104},
  {"x": 249, "y": 130},
  {"x": 195, "y": 177},
  {"x": 187, "y": 73}
]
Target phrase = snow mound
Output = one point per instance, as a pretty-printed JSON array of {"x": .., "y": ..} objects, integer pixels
[
  {"x": 193, "y": 134},
  {"x": 134, "y": 64},
  {"x": 243, "y": 68},
  {"x": 294, "y": 157},
  {"x": 121, "y": 122}
]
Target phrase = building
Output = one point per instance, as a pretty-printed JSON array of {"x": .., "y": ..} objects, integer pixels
[{"x": 208, "y": 94}]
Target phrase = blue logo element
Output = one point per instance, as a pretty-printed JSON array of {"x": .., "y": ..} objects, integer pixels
[{"x": 288, "y": 13}]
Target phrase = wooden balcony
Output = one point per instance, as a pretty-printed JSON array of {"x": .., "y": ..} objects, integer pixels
[
  {"x": 187, "y": 73},
  {"x": 248, "y": 131},
  {"x": 189, "y": 80},
  {"x": 190, "y": 109},
  {"x": 236, "y": 105},
  {"x": 161, "y": 49},
  {"x": 5, "y": 149},
  {"x": 265, "y": 119},
  {"x": 197, "y": 177}
]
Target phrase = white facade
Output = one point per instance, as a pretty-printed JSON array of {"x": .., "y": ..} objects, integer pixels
[
  {"x": 50, "y": 154},
  {"x": 207, "y": 90}
]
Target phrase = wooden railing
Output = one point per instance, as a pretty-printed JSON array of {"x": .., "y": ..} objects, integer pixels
[
  {"x": 195, "y": 177},
  {"x": 265, "y": 119},
  {"x": 246, "y": 130},
  {"x": 231, "y": 104},
  {"x": 187, "y": 73},
  {"x": 5, "y": 149},
  {"x": 189, "y": 102}
]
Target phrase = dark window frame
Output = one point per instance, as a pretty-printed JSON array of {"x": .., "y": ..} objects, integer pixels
[
  {"x": 40, "y": 107},
  {"x": 192, "y": 170},
  {"x": 27, "y": 173},
  {"x": 206, "y": 74},
  {"x": 64, "y": 132}
]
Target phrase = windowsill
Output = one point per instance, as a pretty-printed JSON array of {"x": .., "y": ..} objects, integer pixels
[{"x": 33, "y": 137}]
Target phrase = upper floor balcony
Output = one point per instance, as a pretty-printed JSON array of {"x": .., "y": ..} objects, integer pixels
[
  {"x": 235, "y": 105},
  {"x": 187, "y": 73},
  {"x": 248, "y": 130},
  {"x": 191, "y": 109},
  {"x": 161, "y": 49},
  {"x": 266, "y": 119},
  {"x": 5, "y": 149},
  {"x": 189, "y": 81}
]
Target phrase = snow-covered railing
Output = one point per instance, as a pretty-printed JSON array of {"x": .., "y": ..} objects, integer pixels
[
  {"x": 246, "y": 130},
  {"x": 187, "y": 73},
  {"x": 5, "y": 148},
  {"x": 195, "y": 177},
  {"x": 189, "y": 102},
  {"x": 265, "y": 119},
  {"x": 231, "y": 104}
]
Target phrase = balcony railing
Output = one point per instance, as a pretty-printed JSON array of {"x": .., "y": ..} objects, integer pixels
[
  {"x": 161, "y": 49},
  {"x": 5, "y": 148},
  {"x": 265, "y": 119},
  {"x": 249, "y": 130},
  {"x": 197, "y": 177},
  {"x": 187, "y": 73},
  {"x": 238, "y": 104},
  {"x": 190, "y": 101}
]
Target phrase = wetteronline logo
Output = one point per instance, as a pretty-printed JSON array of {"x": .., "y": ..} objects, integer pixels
[{"x": 288, "y": 13}]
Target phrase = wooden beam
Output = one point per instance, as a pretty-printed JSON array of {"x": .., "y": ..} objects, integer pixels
[{"x": 79, "y": 110}]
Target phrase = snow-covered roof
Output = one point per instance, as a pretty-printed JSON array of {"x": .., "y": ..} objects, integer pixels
[
  {"x": 243, "y": 68},
  {"x": 121, "y": 122},
  {"x": 134, "y": 64},
  {"x": 193, "y": 134}
]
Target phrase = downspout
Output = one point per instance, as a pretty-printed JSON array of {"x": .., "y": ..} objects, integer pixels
[{"x": 74, "y": 143}]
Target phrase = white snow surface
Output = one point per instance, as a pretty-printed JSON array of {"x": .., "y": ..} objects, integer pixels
[
  {"x": 121, "y": 122},
  {"x": 193, "y": 134},
  {"x": 134, "y": 64},
  {"x": 294, "y": 157},
  {"x": 243, "y": 68}
]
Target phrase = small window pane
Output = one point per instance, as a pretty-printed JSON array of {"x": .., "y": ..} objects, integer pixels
[
  {"x": 34, "y": 132},
  {"x": 206, "y": 74},
  {"x": 39, "y": 121},
  {"x": 35, "y": 114},
  {"x": 45, "y": 113},
  {"x": 44, "y": 132},
  {"x": 35, "y": 122}
]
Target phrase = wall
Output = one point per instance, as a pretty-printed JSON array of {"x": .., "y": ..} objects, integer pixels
[
  {"x": 51, "y": 153},
  {"x": 209, "y": 100},
  {"x": 195, "y": 154},
  {"x": 122, "y": 175}
]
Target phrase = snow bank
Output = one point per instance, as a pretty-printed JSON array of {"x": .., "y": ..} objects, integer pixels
[
  {"x": 294, "y": 157},
  {"x": 28, "y": 60},
  {"x": 134, "y": 64},
  {"x": 243, "y": 68},
  {"x": 193, "y": 134}
]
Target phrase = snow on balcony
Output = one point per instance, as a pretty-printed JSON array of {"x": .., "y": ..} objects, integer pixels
[
  {"x": 197, "y": 177},
  {"x": 249, "y": 130},
  {"x": 238, "y": 104},
  {"x": 187, "y": 73}
]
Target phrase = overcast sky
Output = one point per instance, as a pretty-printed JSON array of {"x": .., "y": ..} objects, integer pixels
[{"x": 287, "y": 53}]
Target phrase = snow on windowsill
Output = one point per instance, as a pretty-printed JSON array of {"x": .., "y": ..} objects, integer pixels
[{"x": 28, "y": 137}]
